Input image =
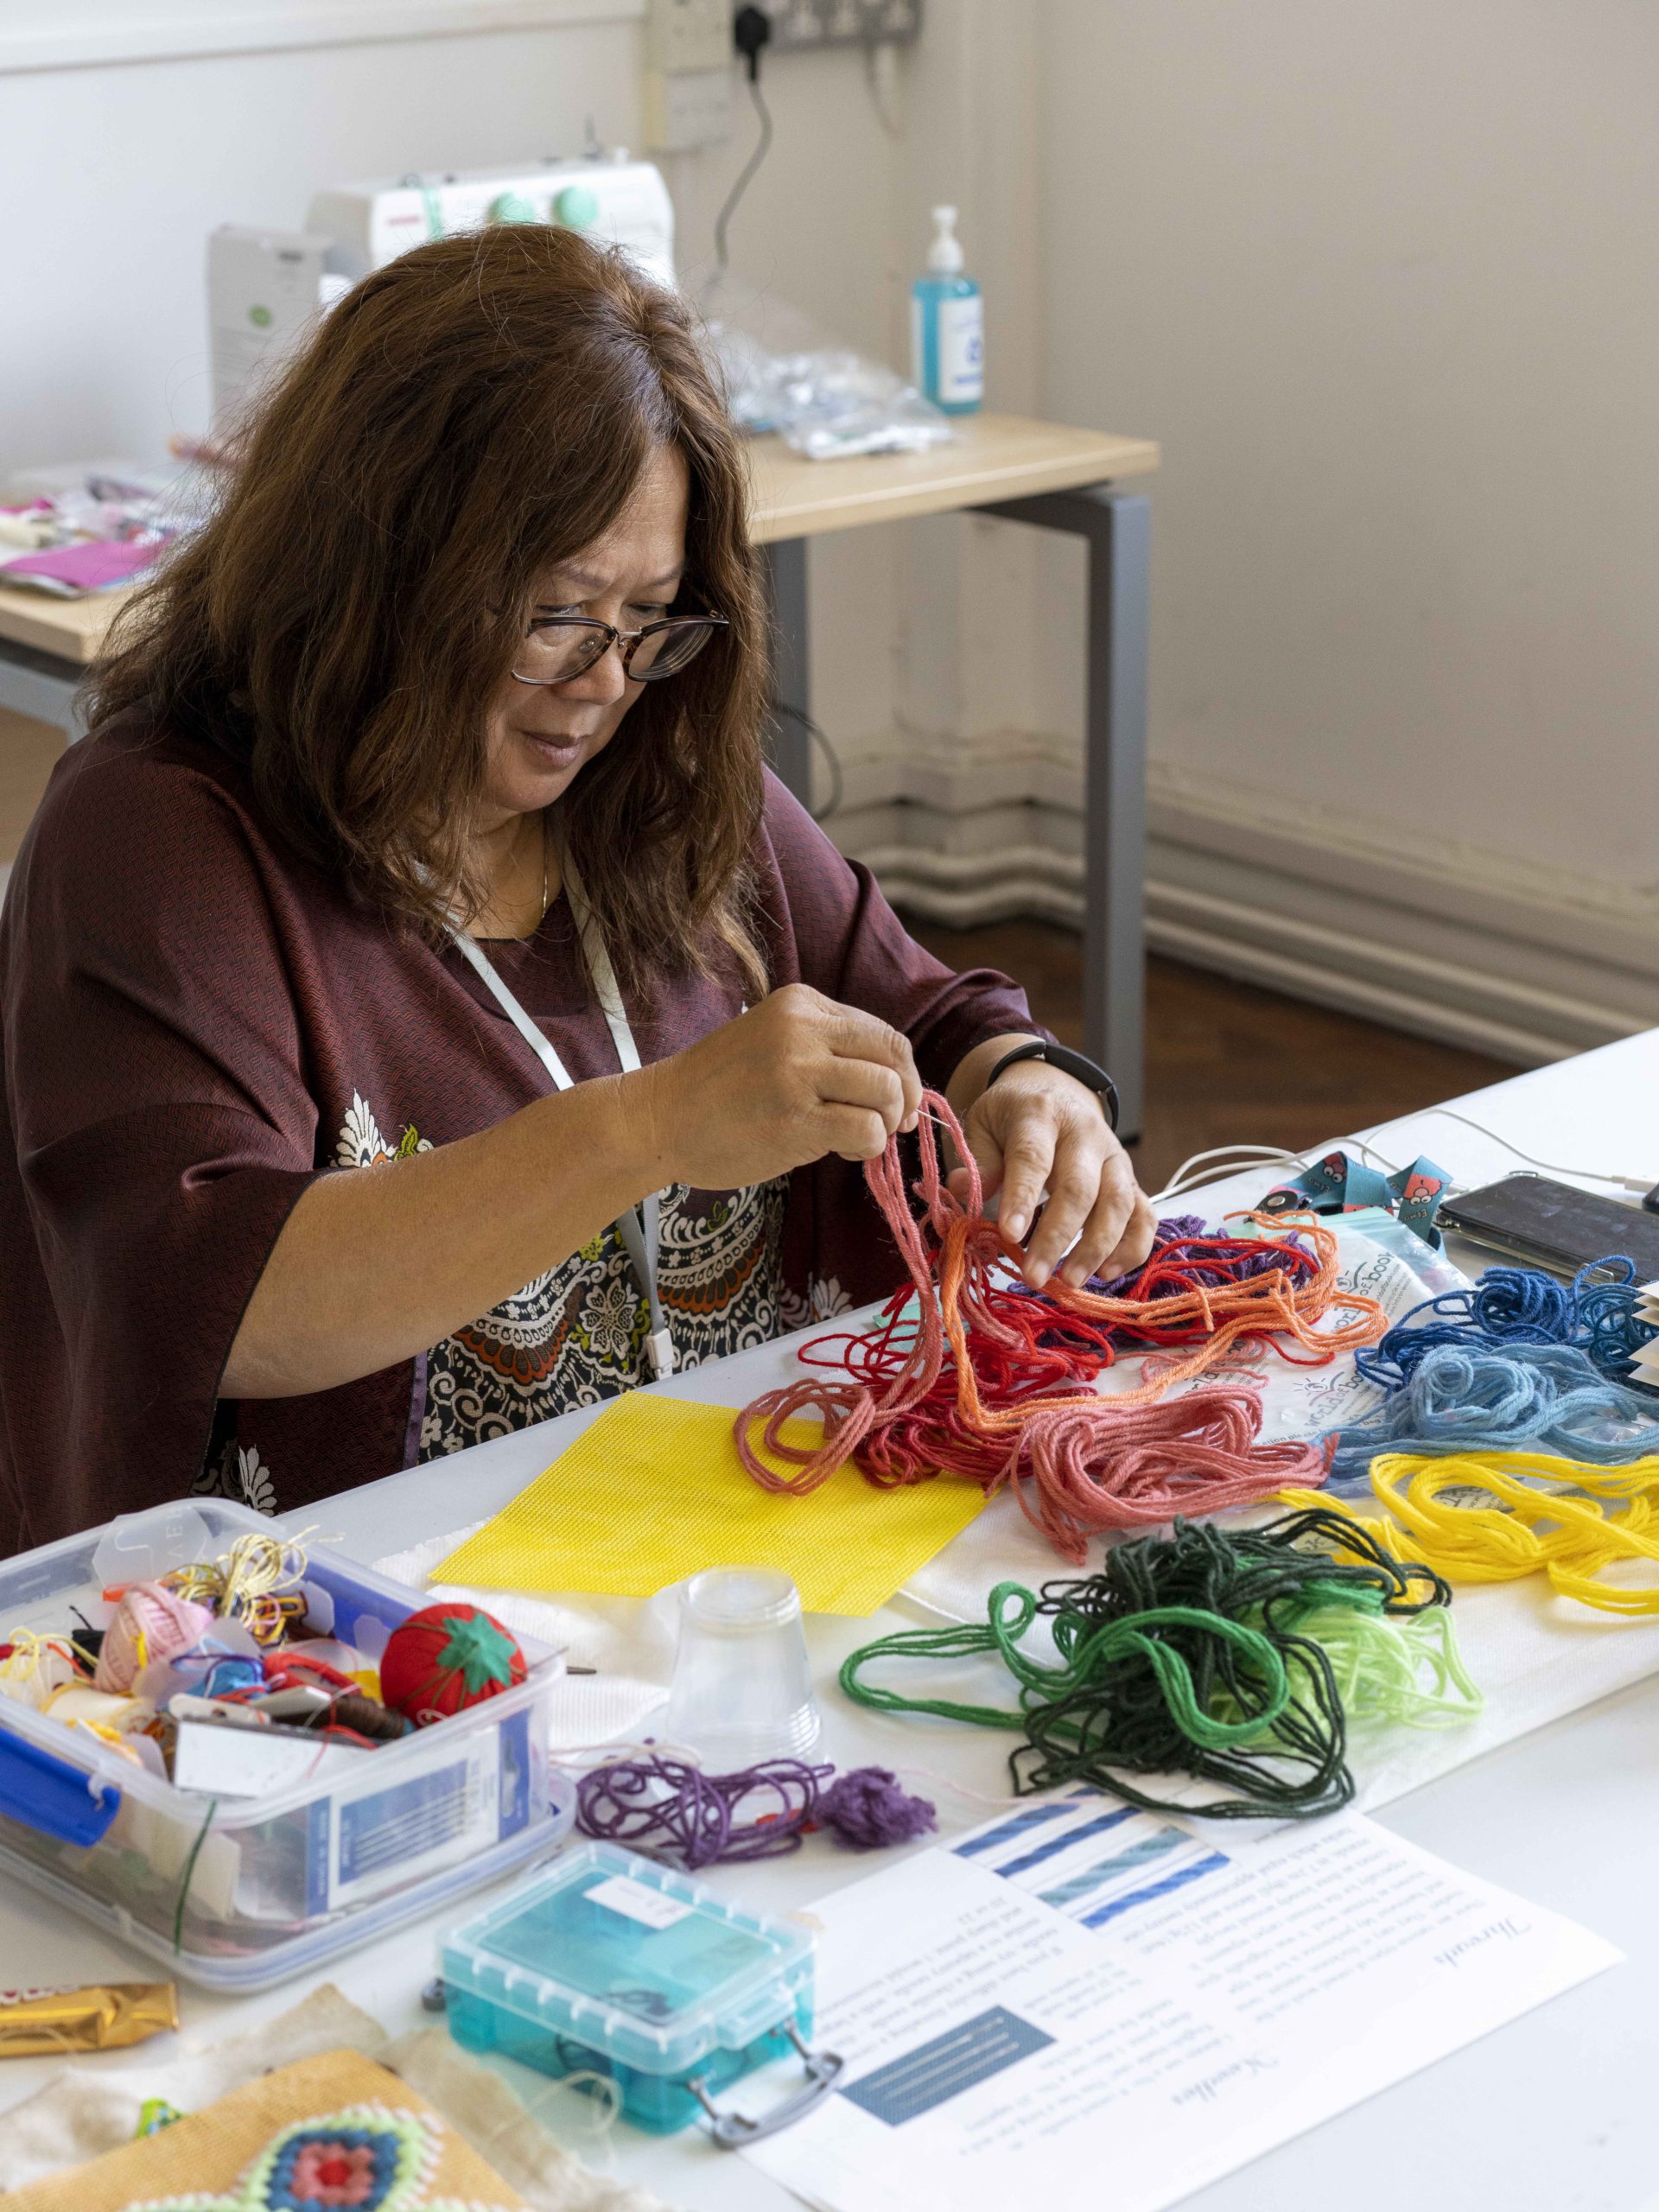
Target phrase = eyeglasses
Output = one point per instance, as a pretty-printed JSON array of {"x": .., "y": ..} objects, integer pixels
[{"x": 558, "y": 648}]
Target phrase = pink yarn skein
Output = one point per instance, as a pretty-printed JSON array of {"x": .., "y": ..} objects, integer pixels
[{"x": 151, "y": 1622}]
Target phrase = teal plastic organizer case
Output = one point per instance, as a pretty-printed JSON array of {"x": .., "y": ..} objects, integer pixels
[{"x": 608, "y": 1964}]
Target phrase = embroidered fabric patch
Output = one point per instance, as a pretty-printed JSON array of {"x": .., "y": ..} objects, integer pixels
[{"x": 364, "y": 2159}]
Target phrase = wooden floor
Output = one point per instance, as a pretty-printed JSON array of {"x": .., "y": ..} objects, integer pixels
[{"x": 1226, "y": 1063}]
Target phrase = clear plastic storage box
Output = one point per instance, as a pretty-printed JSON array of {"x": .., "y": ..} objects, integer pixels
[
  {"x": 609, "y": 1965},
  {"x": 239, "y": 1893}
]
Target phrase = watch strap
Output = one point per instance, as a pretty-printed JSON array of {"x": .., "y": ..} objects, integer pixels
[{"x": 1093, "y": 1077}]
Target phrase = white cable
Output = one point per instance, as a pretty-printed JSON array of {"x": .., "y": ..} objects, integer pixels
[
  {"x": 1641, "y": 1183},
  {"x": 1238, "y": 1159},
  {"x": 1371, "y": 1156},
  {"x": 1241, "y": 1157},
  {"x": 1229, "y": 1151}
]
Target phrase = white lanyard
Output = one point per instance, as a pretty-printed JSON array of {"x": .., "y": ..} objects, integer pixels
[{"x": 637, "y": 1225}]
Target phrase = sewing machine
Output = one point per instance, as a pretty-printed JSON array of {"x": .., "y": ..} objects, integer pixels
[
  {"x": 623, "y": 202},
  {"x": 265, "y": 287}
]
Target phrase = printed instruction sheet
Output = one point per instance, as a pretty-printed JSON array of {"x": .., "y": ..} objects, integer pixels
[{"x": 1078, "y": 1989}]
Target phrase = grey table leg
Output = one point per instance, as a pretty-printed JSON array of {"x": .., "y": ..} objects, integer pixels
[
  {"x": 792, "y": 747},
  {"x": 40, "y": 685},
  {"x": 1118, "y": 527}
]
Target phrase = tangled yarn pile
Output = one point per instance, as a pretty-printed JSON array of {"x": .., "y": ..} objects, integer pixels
[
  {"x": 1453, "y": 1398},
  {"x": 1199, "y": 1653},
  {"x": 970, "y": 1374},
  {"x": 1511, "y": 1307},
  {"x": 1499, "y": 1517},
  {"x": 672, "y": 1809},
  {"x": 1189, "y": 1230}
]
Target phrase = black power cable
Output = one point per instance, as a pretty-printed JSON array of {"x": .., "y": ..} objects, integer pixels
[
  {"x": 837, "y": 781},
  {"x": 751, "y": 31}
]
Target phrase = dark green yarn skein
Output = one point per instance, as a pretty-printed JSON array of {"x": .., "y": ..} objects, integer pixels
[{"x": 1180, "y": 1656}]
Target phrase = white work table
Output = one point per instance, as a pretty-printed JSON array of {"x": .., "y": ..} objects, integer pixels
[{"x": 1550, "y": 2112}]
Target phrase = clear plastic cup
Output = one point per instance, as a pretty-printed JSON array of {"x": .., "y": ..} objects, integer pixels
[{"x": 741, "y": 1689}]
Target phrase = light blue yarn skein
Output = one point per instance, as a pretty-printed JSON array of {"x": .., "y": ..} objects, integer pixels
[{"x": 1460, "y": 1397}]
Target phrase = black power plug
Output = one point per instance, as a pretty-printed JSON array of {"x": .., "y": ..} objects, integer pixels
[
  {"x": 751, "y": 35},
  {"x": 751, "y": 31}
]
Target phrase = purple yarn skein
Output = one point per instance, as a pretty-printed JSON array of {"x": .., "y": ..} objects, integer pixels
[{"x": 867, "y": 1808}]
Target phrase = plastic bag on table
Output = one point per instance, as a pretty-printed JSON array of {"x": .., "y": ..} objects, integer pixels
[{"x": 783, "y": 373}]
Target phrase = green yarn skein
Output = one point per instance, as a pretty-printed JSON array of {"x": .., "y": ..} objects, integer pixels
[{"x": 1187, "y": 1654}]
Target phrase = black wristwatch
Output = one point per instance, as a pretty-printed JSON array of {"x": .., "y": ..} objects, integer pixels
[{"x": 1069, "y": 1062}]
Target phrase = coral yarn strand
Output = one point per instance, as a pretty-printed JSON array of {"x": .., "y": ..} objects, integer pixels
[{"x": 971, "y": 1376}]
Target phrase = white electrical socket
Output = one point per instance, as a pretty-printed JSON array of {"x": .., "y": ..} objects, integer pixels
[
  {"x": 690, "y": 108},
  {"x": 688, "y": 37},
  {"x": 798, "y": 25}
]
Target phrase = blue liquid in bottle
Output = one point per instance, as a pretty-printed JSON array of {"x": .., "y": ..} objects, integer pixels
[{"x": 947, "y": 326}]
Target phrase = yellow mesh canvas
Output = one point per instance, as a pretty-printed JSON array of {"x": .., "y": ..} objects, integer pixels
[{"x": 653, "y": 1491}]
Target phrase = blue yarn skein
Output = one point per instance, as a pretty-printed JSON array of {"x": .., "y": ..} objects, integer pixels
[
  {"x": 1461, "y": 1396},
  {"x": 1517, "y": 1306}
]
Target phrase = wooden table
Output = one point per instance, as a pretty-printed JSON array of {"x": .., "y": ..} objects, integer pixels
[{"x": 1040, "y": 473}]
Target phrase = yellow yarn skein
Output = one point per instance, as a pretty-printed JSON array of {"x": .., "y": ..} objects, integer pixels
[{"x": 1568, "y": 1519}]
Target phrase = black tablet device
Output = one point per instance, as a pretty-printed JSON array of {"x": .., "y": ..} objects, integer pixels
[{"x": 1546, "y": 1225}]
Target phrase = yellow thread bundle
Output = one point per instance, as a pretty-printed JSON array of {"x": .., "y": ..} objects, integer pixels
[
  {"x": 80, "y": 1705},
  {"x": 249, "y": 1584},
  {"x": 35, "y": 1667},
  {"x": 1566, "y": 1519}
]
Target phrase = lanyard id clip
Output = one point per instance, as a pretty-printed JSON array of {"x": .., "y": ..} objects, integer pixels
[{"x": 638, "y": 1227}]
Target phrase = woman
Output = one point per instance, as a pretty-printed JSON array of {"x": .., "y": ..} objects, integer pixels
[{"x": 475, "y": 634}]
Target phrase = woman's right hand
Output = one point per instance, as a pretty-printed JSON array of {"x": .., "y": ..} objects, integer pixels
[
  {"x": 795, "y": 1077},
  {"x": 373, "y": 1266}
]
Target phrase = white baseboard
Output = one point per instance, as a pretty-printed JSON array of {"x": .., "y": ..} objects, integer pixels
[{"x": 1444, "y": 941}]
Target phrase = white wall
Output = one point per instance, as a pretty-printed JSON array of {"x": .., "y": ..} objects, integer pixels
[
  {"x": 124, "y": 170},
  {"x": 1382, "y": 277}
]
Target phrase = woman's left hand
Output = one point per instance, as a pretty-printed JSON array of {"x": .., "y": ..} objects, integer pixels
[{"x": 1035, "y": 1126}]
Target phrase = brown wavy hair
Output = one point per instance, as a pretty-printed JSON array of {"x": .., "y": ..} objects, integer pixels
[{"x": 469, "y": 415}]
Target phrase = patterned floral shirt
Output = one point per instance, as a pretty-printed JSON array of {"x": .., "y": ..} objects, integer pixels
[{"x": 197, "y": 1025}]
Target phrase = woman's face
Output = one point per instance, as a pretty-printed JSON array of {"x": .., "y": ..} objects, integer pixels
[{"x": 540, "y": 737}]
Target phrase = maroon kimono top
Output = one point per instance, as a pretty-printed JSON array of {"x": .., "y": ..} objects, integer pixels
[{"x": 196, "y": 1025}]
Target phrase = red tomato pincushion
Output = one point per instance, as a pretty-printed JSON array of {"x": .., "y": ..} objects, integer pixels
[{"x": 445, "y": 1658}]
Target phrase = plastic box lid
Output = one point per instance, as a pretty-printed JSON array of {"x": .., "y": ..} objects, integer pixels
[{"x": 633, "y": 1959}]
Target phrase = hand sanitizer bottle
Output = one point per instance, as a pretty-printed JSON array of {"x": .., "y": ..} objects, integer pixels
[{"x": 947, "y": 325}]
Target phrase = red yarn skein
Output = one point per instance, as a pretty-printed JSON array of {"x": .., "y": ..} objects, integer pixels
[{"x": 445, "y": 1658}]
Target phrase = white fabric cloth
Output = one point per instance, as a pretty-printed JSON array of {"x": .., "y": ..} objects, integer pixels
[
  {"x": 85, "y": 2111},
  {"x": 627, "y": 1642},
  {"x": 82, "y": 2113}
]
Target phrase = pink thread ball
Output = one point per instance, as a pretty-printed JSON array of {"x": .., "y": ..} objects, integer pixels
[{"x": 151, "y": 1622}]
